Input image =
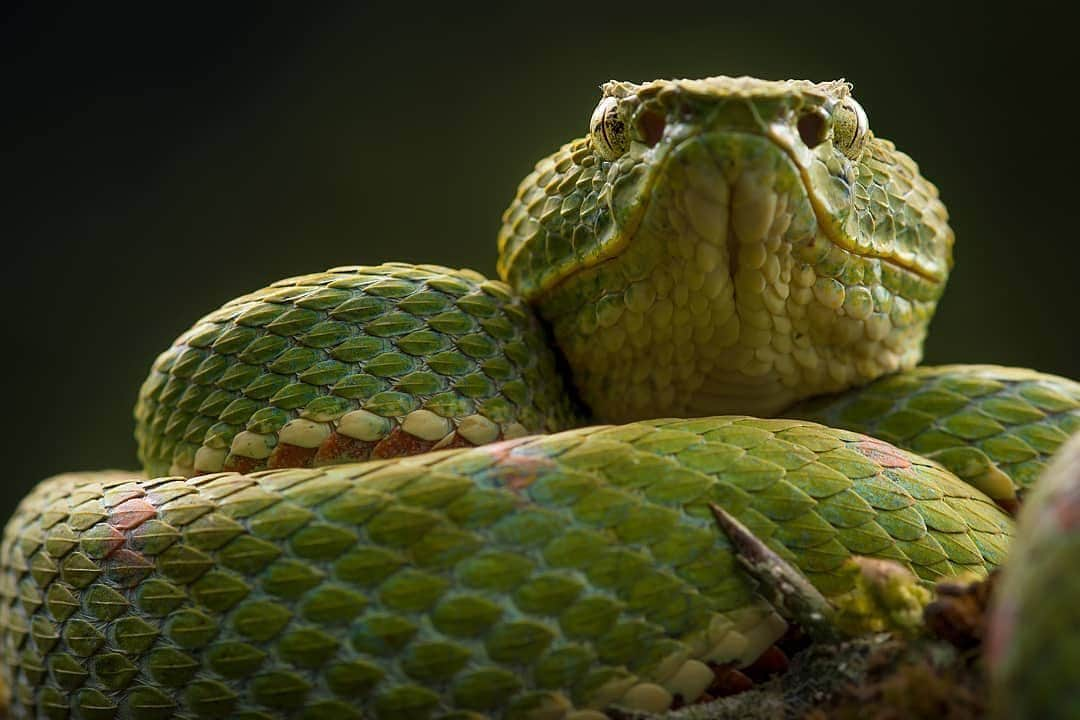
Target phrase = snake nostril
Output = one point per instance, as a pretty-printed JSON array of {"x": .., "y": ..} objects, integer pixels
[
  {"x": 812, "y": 129},
  {"x": 651, "y": 126}
]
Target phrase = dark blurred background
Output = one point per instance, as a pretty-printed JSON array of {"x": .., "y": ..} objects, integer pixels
[{"x": 160, "y": 161}]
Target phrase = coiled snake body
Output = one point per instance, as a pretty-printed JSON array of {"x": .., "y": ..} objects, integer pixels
[{"x": 711, "y": 247}]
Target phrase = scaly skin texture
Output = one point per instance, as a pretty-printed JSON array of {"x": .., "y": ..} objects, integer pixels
[
  {"x": 575, "y": 570},
  {"x": 346, "y": 365},
  {"x": 1033, "y": 652},
  {"x": 994, "y": 427},
  {"x": 716, "y": 246}
]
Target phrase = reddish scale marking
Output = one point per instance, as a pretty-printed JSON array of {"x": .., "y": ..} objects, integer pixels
[
  {"x": 337, "y": 449},
  {"x": 340, "y": 448},
  {"x": 882, "y": 453},
  {"x": 124, "y": 564},
  {"x": 515, "y": 471},
  {"x": 399, "y": 443},
  {"x": 290, "y": 456},
  {"x": 131, "y": 513}
]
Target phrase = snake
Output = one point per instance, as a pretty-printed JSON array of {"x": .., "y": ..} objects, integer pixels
[
  {"x": 1038, "y": 603},
  {"x": 408, "y": 491}
]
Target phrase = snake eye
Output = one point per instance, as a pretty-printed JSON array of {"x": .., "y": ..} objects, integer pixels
[
  {"x": 608, "y": 131},
  {"x": 850, "y": 128},
  {"x": 813, "y": 128}
]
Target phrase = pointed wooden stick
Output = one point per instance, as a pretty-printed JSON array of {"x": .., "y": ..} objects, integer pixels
[{"x": 783, "y": 586}]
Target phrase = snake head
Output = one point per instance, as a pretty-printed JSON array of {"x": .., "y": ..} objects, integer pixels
[{"x": 727, "y": 245}]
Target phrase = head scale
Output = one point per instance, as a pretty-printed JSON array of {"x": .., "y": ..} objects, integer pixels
[{"x": 727, "y": 245}]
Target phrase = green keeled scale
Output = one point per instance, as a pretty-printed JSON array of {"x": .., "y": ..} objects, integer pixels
[{"x": 525, "y": 577}]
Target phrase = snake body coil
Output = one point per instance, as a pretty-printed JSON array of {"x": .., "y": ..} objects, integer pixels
[{"x": 713, "y": 246}]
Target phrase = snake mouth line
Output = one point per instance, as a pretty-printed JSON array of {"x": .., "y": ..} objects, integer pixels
[{"x": 830, "y": 227}]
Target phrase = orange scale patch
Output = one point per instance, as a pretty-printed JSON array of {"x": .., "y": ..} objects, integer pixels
[
  {"x": 883, "y": 453},
  {"x": 399, "y": 443},
  {"x": 516, "y": 471},
  {"x": 285, "y": 455},
  {"x": 340, "y": 448},
  {"x": 131, "y": 514}
]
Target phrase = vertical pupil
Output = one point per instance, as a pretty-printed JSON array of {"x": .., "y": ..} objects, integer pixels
[{"x": 614, "y": 131}]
